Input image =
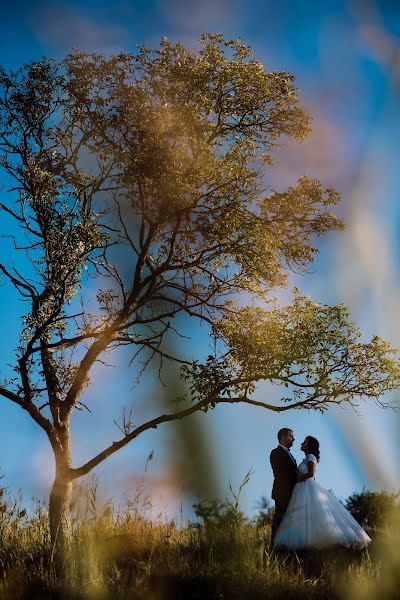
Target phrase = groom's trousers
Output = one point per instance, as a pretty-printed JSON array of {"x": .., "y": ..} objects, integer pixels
[{"x": 281, "y": 505}]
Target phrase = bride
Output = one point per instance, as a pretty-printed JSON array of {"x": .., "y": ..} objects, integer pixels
[{"x": 314, "y": 517}]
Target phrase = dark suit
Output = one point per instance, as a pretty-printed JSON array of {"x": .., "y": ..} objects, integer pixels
[{"x": 285, "y": 477}]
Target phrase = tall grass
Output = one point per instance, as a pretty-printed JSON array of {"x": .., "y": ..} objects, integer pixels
[{"x": 120, "y": 553}]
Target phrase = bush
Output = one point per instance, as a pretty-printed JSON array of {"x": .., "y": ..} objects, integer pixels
[
  {"x": 219, "y": 514},
  {"x": 265, "y": 513},
  {"x": 370, "y": 508}
]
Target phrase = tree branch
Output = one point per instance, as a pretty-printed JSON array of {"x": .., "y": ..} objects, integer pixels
[
  {"x": 30, "y": 408},
  {"x": 19, "y": 284}
]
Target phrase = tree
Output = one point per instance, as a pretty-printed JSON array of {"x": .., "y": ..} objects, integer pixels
[
  {"x": 161, "y": 157},
  {"x": 371, "y": 509}
]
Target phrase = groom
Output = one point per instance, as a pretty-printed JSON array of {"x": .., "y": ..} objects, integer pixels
[{"x": 284, "y": 468}]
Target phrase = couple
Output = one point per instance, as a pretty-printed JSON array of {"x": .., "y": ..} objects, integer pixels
[{"x": 306, "y": 515}]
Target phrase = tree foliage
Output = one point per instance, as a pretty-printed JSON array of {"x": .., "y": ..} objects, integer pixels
[{"x": 312, "y": 350}]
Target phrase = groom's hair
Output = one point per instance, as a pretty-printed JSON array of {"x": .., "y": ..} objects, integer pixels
[{"x": 282, "y": 433}]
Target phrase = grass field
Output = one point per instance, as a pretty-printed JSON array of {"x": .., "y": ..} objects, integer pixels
[{"x": 121, "y": 554}]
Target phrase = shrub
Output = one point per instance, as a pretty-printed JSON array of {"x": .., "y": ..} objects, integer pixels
[{"x": 370, "y": 508}]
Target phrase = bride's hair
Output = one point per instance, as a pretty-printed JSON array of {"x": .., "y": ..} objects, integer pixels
[{"x": 313, "y": 446}]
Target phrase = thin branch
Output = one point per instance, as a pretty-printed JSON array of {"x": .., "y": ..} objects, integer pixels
[
  {"x": 19, "y": 284},
  {"x": 156, "y": 350},
  {"x": 20, "y": 219},
  {"x": 64, "y": 343},
  {"x": 30, "y": 408},
  {"x": 11, "y": 396}
]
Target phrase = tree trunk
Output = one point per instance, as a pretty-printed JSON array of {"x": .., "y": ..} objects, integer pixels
[
  {"x": 59, "y": 506},
  {"x": 59, "y": 511}
]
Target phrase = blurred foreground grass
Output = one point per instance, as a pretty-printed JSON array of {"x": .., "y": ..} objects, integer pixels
[{"x": 122, "y": 554}]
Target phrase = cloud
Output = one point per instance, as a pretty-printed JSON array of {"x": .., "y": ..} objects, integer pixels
[
  {"x": 198, "y": 15},
  {"x": 325, "y": 153},
  {"x": 62, "y": 27}
]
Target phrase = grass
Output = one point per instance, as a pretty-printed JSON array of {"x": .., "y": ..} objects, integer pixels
[{"x": 121, "y": 554}]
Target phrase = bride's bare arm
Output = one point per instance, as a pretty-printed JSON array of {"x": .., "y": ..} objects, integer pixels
[{"x": 310, "y": 472}]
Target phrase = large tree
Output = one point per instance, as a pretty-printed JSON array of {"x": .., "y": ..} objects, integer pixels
[{"x": 141, "y": 180}]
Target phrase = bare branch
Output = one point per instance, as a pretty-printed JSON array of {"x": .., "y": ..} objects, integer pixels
[
  {"x": 30, "y": 408},
  {"x": 18, "y": 283}
]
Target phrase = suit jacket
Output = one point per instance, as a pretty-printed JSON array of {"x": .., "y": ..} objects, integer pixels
[{"x": 285, "y": 475}]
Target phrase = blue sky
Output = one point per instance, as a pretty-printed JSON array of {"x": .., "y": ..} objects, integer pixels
[{"x": 342, "y": 54}]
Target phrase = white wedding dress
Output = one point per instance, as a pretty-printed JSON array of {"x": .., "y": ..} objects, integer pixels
[{"x": 316, "y": 519}]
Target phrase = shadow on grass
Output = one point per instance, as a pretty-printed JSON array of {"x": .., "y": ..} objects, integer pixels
[{"x": 288, "y": 575}]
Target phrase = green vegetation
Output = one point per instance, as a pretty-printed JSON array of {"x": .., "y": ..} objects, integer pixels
[{"x": 120, "y": 553}]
